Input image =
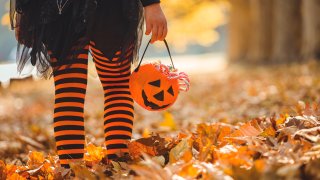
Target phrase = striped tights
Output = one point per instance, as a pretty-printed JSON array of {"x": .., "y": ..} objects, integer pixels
[{"x": 70, "y": 89}]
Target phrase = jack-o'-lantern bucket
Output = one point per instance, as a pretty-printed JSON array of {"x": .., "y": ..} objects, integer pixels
[{"x": 155, "y": 86}]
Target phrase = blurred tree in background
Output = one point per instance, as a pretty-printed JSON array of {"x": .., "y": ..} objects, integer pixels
[{"x": 271, "y": 31}]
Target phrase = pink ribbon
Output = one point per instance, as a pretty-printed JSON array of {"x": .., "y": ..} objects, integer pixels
[{"x": 171, "y": 73}]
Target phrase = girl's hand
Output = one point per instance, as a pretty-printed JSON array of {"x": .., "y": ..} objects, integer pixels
[{"x": 155, "y": 22}]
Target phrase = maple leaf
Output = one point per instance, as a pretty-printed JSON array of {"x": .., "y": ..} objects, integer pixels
[
  {"x": 35, "y": 160},
  {"x": 94, "y": 153}
]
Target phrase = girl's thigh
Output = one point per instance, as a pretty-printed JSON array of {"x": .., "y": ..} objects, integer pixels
[{"x": 114, "y": 20}]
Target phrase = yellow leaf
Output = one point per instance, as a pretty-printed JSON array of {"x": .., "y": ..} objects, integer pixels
[
  {"x": 94, "y": 153},
  {"x": 268, "y": 132},
  {"x": 35, "y": 160},
  {"x": 146, "y": 133},
  {"x": 282, "y": 119},
  {"x": 168, "y": 121}
]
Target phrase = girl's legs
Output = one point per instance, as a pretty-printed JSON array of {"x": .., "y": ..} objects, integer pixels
[
  {"x": 70, "y": 89},
  {"x": 118, "y": 103}
]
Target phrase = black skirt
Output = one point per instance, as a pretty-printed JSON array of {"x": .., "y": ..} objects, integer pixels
[{"x": 112, "y": 24}]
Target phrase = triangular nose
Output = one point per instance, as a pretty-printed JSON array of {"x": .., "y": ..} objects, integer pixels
[{"x": 159, "y": 96}]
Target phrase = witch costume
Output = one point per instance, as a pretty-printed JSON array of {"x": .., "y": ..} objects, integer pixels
[{"x": 55, "y": 26}]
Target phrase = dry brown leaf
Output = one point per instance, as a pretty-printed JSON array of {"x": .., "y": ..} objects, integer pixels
[
  {"x": 30, "y": 141},
  {"x": 153, "y": 146}
]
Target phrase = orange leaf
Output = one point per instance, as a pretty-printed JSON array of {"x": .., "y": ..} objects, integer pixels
[
  {"x": 136, "y": 149},
  {"x": 15, "y": 176},
  {"x": 246, "y": 130},
  {"x": 94, "y": 153},
  {"x": 10, "y": 169},
  {"x": 47, "y": 168},
  {"x": 224, "y": 131},
  {"x": 233, "y": 155},
  {"x": 35, "y": 160},
  {"x": 190, "y": 170},
  {"x": 260, "y": 165},
  {"x": 2, "y": 170}
]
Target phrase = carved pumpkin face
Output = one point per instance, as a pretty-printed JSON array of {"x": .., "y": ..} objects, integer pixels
[{"x": 153, "y": 90}]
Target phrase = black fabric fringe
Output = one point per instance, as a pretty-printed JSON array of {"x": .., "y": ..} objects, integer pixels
[{"x": 40, "y": 28}]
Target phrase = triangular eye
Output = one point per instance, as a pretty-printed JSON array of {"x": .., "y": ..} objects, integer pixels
[
  {"x": 155, "y": 83},
  {"x": 170, "y": 91},
  {"x": 159, "y": 96}
]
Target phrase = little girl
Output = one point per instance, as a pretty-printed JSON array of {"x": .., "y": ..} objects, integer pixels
[{"x": 56, "y": 36}]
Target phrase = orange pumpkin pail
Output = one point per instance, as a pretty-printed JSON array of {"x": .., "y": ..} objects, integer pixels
[{"x": 156, "y": 86}]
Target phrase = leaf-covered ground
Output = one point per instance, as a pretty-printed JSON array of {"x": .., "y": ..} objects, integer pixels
[{"x": 239, "y": 123}]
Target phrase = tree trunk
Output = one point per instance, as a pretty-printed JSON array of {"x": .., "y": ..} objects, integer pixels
[
  {"x": 287, "y": 29},
  {"x": 261, "y": 33},
  {"x": 239, "y": 30},
  {"x": 311, "y": 29}
]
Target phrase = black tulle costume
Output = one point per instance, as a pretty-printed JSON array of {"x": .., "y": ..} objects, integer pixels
[{"x": 111, "y": 24}]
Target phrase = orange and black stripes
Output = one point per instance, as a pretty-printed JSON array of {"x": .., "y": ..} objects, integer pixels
[
  {"x": 118, "y": 103},
  {"x": 70, "y": 89}
]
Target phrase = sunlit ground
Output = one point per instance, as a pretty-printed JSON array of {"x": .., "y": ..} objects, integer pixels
[{"x": 227, "y": 94}]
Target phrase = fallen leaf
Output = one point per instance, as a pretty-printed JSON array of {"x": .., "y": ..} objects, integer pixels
[
  {"x": 35, "y": 160},
  {"x": 179, "y": 150},
  {"x": 94, "y": 153},
  {"x": 168, "y": 121}
]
